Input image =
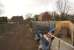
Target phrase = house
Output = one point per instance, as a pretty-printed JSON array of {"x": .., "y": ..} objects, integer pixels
[
  {"x": 3, "y": 20},
  {"x": 44, "y": 16},
  {"x": 17, "y": 19}
]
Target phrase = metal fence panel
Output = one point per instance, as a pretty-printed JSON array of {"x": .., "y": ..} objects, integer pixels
[{"x": 64, "y": 46}]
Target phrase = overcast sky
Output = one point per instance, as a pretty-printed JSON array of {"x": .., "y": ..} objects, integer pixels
[{"x": 23, "y": 7}]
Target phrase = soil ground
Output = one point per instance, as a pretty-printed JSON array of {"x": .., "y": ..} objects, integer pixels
[{"x": 19, "y": 38}]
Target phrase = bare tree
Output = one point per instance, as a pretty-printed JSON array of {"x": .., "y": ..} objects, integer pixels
[
  {"x": 29, "y": 15},
  {"x": 63, "y": 6}
]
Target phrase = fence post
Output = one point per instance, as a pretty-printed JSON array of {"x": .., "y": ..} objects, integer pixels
[
  {"x": 58, "y": 44},
  {"x": 72, "y": 34}
]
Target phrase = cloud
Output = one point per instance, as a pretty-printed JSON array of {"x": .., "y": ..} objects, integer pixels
[{"x": 22, "y": 7}]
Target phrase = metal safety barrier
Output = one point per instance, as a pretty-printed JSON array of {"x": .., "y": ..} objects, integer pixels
[{"x": 59, "y": 44}]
